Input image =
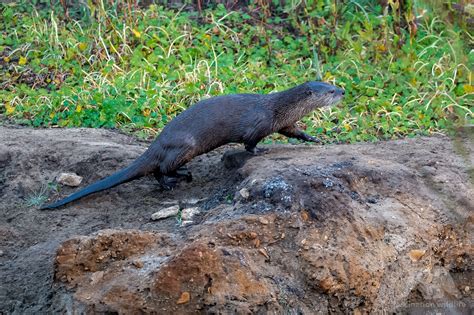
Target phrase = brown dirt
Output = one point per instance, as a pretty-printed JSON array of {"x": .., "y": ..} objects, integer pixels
[{"x": 324, "y": 229}]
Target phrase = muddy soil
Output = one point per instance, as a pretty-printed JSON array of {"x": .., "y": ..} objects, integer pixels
[{"x": 298, "y": 229}]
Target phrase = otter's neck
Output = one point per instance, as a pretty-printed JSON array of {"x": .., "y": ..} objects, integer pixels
[{"x": 288, "y": 107}]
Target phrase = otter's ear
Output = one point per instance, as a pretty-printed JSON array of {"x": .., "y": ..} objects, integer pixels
[{"x": 309, "y": 92}]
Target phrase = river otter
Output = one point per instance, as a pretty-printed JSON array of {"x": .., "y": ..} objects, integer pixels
[{"x": 213, "y": 122}]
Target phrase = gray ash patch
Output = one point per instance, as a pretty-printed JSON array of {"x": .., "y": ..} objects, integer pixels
[
  {"x": 342, "y": 165},
  {"x": 278, "y": 189},
  {"x": 328, "y": 183}
]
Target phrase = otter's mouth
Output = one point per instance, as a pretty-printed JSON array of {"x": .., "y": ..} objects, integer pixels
[{"x": 335, "y": 101}]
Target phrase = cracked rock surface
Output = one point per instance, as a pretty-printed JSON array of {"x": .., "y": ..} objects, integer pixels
[{"x": 299, "y": 229}]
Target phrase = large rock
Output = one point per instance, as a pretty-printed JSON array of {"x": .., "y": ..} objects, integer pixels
[{"x": 342, "y": 235}]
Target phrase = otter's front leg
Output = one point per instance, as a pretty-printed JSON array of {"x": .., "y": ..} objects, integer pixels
[
  {"x": 257, "y": 132},
  {"x": 295, "y": 132}
]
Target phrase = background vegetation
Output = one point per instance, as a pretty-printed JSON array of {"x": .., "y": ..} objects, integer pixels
[{"x": 119, "y": 64}]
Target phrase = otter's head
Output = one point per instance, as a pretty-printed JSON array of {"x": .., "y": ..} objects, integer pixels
[
  {"x": 320, "y": 94},
  {"x": 291, "y": 105}
]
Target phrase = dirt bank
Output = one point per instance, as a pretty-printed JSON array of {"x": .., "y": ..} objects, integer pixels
[{"x": 298, "y": 229}]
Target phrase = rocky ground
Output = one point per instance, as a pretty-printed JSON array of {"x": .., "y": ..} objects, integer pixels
[{"x": 298, "y": 229}]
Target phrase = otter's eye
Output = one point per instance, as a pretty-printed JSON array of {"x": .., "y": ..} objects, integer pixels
[{"x": 332, "y": 91}]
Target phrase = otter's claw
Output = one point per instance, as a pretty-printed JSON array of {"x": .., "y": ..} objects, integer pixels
[
  {"x": 312, "y": 139},
  {"x": 256, "y": 151}
]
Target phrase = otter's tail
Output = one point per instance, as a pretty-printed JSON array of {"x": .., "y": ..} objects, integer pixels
[{"x": 137, "y": 169}]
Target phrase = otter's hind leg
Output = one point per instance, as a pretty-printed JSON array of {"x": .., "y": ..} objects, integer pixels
[
  {"x": 177, "y": 154},
  {"x": 171, "y": 180},
  {"x": 183, "y": 172}
]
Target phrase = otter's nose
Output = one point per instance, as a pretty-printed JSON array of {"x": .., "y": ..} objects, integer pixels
[{"x": 343, "y": 91}]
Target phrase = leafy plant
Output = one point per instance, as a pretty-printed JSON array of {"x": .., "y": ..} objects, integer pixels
[{"x": 108, "y": 66}]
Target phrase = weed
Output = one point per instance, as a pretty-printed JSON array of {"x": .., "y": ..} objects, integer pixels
[
  {"x": 179, "y": 218},
  {"x": 229, "y": 198},
  {"x": 137, "y": 68},
  {"x": 37, "y": 198}
]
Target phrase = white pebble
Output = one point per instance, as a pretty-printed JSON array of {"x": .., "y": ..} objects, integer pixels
[
  {"x": 165, "y": 213},
  {"x": 188, "y": 213},
  {"x": 244, "y": 192},
  {"x": 69, "y": 179}
]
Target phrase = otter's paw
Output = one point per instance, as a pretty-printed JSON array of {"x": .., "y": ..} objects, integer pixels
[
  {"x": 168, "y": 183},
  {"x": 257, "y": 151},
  {"x": 311, "y": 139}
]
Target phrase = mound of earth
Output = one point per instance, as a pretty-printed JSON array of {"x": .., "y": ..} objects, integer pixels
[{"x": 298, "y": 229}]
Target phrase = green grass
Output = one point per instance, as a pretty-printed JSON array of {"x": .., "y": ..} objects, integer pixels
[
  {"x": 39, "y": 197},
  {"x": 136, "y": 71}
]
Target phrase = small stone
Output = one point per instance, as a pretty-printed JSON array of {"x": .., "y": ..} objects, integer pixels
[
  {"x": 467, "y": 289},
  {"x": 165, "y": 213},
  {"x": 138, "y": 264},
  {"x": 184, "y": 298},
  {"x": 416, "y": 254},
  {"x": 263, "y": 221},
  {"x": 304, "y": 215},
  {"x": 264, "y": 253},
  {"x": 253, "y": 235},
  {"x": 186, "y": 222},
  {"x": 316, "y": 246},
  {"x": 96, "y": 277},
  {"x": 256, "y": 243},
  {"x": 69, "y": 179},
  {"x": 244, "y": 192},
  {"x": 372, "y": 199},
  {"x": 188, "y": 213},
  {"x": 328, "y": 183},
  {"x": 1, "y": 252}
]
